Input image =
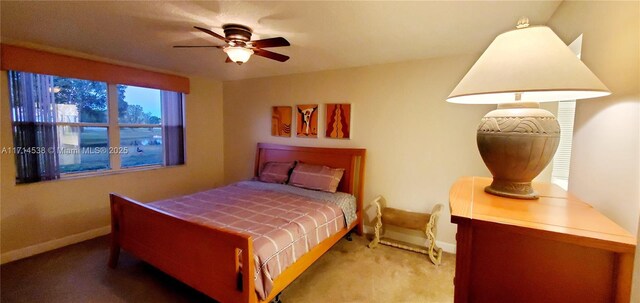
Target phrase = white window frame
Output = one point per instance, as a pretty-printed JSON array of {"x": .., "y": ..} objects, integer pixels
[
  {"x": 114, "y": 132},
  {"x": 560, "y": 172},
  {"x": 113, "y": 138},
  {"x": 79, "y": 124}
]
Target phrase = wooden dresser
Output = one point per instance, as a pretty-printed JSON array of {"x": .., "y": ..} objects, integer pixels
[{"x": 555, "y": 249}]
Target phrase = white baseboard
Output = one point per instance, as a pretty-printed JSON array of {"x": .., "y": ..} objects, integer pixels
[
  {"x": 447, "y": 247},
  {"x": 53, "y": 244},
  {"x": 393, "y": 234}
]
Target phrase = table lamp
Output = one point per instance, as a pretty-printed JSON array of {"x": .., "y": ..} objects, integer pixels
[{"x": 521, "y": 68}]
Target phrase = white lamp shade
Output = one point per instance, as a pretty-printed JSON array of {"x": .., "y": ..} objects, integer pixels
[
  {"x": 532, "y": 61},
  {"x": 238, "y": 54}
]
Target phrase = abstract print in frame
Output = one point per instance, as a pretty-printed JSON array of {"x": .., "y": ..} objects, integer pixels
[
  {"x": 281, "y": 121},
  {"x": 338, "y": 121},
  {"x": 307, "y": 121}
]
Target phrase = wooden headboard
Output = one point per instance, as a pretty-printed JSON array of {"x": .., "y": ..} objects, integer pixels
[{"x": 351, "y": 159}]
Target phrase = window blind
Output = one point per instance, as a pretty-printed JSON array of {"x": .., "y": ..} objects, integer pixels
[{"x": 562, "y": 159}]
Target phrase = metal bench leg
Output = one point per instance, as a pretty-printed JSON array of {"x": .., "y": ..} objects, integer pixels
[
  {"x": 435, "y": 252},
  {"x": 378, "y": 226}
]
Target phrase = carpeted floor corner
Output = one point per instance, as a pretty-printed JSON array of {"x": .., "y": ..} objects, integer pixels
[{"x": 349, "y": 272}]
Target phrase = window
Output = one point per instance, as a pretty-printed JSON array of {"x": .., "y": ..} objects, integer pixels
[
  {"x": 81, "y": 117},
  {"x": 65, "y": 126},
  {"x": 140, "y": 118},
  {"x": 565, "y": 116}
]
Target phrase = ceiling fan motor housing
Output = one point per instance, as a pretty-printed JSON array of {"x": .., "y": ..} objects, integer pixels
[
  {"x": 237, "y": 32},
  {"x": 239, "y": 46}
]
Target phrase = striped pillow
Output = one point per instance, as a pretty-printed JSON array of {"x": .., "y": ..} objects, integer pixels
[
  {"x": 316, "y": 177},
  {"x": 276, "y": 172}
]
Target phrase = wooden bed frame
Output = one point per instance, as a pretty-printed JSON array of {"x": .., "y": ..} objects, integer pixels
[{"x": 206, "y": 258}]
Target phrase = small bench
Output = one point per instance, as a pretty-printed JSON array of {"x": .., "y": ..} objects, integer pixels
[{"x": 425, "y": 222}]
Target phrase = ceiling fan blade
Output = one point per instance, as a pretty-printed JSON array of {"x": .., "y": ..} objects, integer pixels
[
  {"x": 211, "y": 33},
  {"x": 270, "y": 55},
  {"x": 192, "y": 46},
  {"x": 271, "y": 42}
]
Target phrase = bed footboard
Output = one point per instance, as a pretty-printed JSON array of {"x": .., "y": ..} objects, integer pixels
[{"x": 203, "y": 257}]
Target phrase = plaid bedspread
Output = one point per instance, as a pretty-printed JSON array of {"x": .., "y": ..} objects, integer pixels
[{"x": 283, "y": 226}]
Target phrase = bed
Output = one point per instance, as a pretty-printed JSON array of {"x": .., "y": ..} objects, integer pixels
[{"x": 211, "y": 258}]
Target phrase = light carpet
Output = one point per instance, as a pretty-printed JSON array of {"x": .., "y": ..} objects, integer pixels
[{"x": 349, "y": 272}]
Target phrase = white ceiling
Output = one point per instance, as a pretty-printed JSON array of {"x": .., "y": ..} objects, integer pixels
[{"x": 323, "y": 35}]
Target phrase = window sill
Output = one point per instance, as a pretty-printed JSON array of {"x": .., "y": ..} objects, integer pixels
[
  {"x": 71, "y": 176},
  {"x": 100, "y": 173}
]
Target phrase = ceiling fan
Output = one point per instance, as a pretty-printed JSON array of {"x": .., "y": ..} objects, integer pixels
[{"x": 239, "y": 46}]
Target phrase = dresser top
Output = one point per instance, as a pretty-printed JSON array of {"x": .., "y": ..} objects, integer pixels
[{"x": 557, "y": 214}]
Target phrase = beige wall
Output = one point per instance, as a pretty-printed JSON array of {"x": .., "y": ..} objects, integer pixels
[
  {"x": 605, "y": 164},
  {"x": 606, "y": 147},
  {"x": 38, "y": 213},
  {"x": 417, "y": 143}
]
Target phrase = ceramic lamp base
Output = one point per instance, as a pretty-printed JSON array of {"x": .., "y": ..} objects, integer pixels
[
  {"x": 516, "y": 142},
  {"x": 509, "y": 189}
]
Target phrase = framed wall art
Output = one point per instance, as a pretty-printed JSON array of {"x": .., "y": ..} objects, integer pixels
[
  {"x": 338, "y": 121},
  {"x": 281, "y": 121},
  {"x": 307, "y": 121}
]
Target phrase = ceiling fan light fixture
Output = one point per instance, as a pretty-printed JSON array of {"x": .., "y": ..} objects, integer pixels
[{"x": 238, "y": 54}]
